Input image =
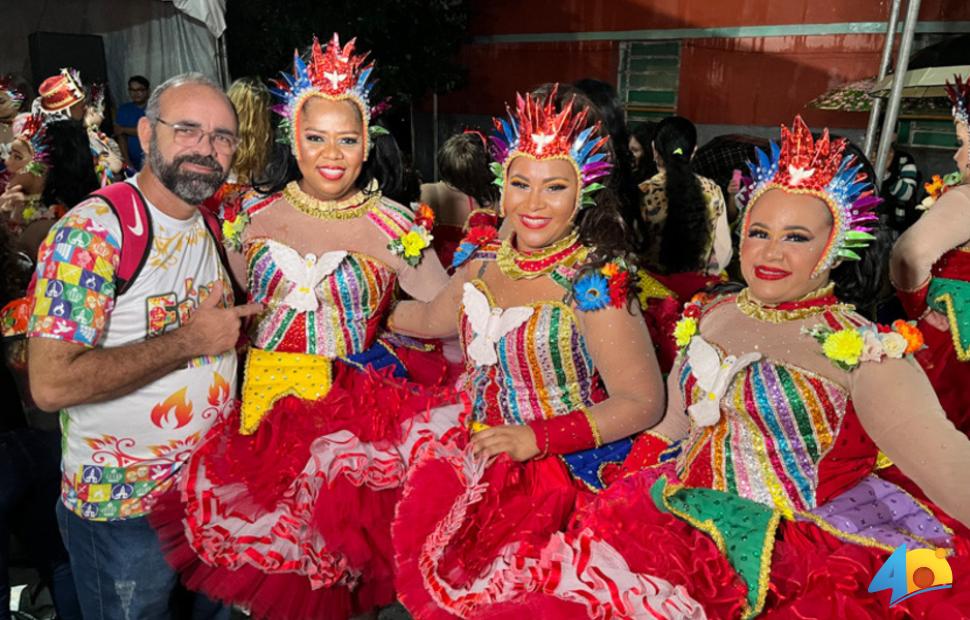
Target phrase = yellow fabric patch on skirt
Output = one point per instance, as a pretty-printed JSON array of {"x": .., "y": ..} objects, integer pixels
[{"x": 271, "y": 375}]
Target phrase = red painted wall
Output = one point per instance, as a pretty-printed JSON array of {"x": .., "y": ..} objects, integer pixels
[
  {"x": 722, "y": 81},
  {"x": 518, "y": 16}
]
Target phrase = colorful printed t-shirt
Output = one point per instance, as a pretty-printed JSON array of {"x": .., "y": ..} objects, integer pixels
[{"x": 121, "y": 454}]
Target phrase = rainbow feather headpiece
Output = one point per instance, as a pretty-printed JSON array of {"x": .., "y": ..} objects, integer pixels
[
  {"x": 536, "y": 129},
  {"x": 819, "y": 168},
  {"x": 959, "y": 94},
  {"x": 33, "y": 135},
  {"x": 335, "y": 73},
  {"x": 12, "y": 92}
]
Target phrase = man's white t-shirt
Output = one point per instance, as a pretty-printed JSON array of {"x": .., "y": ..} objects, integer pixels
[{"x": 118, "y": 456}]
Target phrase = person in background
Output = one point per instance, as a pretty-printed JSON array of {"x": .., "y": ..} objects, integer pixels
[
  {"x": 126, "y": 121},
  {"x": 109, "y": 163},
  {"x": 465, "y": 187},
  {"x": 10, "y": 101},
  {"x": 641, "y": 137},
  {"x": 901, "y": 191},
  {"x": 930, "y": 268}
]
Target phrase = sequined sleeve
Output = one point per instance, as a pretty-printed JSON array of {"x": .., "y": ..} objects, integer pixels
[
  {"x": 945, "y": 226},
  {"x": 899, "y": 409}
]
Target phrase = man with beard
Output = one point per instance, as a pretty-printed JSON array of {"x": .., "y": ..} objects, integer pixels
[{"x": 139, "y": 367}]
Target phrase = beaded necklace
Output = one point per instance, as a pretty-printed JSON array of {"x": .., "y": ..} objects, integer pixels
[
  {"x": 345, "y": 209},
  {"x": 518, "y": 265},
  {"x": 814, "y": 303}
]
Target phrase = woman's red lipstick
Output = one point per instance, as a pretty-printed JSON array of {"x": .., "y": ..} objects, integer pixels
[{"x": 770, "y": 273}]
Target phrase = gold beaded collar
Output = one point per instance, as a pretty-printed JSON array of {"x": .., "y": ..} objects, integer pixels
[
  {"x": 346, "y": 209},
  {"x": 816, "y": 302},
  {"x": 518, "y": 265}
]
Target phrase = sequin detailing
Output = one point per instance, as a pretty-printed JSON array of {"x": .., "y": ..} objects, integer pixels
[
  {"x": 544, "y": 368},
  {"x": 778, "y": 422},
  {"x": 350, "y": 303}
]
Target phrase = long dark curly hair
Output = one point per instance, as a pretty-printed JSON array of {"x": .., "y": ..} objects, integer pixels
[
  {"x": 71, "y": 174},
  {"x": 687, "y": 230}
]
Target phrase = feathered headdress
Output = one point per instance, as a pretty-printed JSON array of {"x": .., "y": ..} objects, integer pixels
[
  {"x": 335, "y": 74},
  {"x": 536, "y": 129},
  {"x": 959, "y": 94},
  {"x": 12, "y": 92},
  {"x": 33, "y": 135},
  {"x": 819, "y": 168}
]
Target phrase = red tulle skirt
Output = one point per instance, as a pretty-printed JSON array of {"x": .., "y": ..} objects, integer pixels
[
  {"x": 522, "y": 503},
  {"x": 294, "y": 520},
  {"x": 813, "y": 574},
  {"x": 477, "y": 541}
]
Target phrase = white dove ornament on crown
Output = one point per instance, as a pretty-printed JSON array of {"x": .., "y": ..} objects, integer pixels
[
  {"x": 489, "y": 324},
  {"x": 713, "y": 376},
  {"x": 304, "y": 272}
]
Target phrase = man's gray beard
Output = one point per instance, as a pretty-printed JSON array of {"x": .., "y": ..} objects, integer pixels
[{"x": 191, "y": 187}]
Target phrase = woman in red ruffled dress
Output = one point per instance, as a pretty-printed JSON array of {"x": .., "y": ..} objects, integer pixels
[
  {"x": 285, "y": 507},
  {"x": 761, "y": 491},
  {"x": 559, "y": 372},
  {"x": 931, "y": 270}
]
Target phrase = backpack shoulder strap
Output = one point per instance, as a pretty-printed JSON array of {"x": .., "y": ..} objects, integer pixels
[{"x": 129, "y": 206}]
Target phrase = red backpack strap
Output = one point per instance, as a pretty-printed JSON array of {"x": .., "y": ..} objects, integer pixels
[{"x": 129, "y": 206}]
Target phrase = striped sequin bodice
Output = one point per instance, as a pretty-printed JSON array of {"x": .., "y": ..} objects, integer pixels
[
  {"x": 350, "y": 303},
  {"x": 778, "y": 422},
  {"x": 544, "y": 368}
]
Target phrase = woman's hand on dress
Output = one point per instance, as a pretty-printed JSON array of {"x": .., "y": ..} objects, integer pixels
[
  {"x": 938, "y": 321},
  {"x": 516, "y": 440}
]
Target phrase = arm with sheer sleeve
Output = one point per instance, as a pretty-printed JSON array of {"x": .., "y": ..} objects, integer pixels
[
  {"x": 431, "y": 319},
  {"x": 899, "y": 409},
  {"x": 426, "y": 280},
  {"x": 623, "y": 355},
  {"x": 237, "y": 266},
  {"x": 942, "y": 228}
]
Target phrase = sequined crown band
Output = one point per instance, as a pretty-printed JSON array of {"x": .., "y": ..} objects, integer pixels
[
  {"x": 335, "y": 73},
  {"x": 536, "y": 129},
  {"x": 959, "y": 94},
  {"x": 804, "y": 165}
]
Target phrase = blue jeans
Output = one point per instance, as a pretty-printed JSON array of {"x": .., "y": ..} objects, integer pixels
[
  {"x": 30, "y": 480},
  {"x": 121, "y": 572}
]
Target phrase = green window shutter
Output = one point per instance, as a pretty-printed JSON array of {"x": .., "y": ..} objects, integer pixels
[
  {"x": 933, "y": 134},
  {"x": 649, "y": 79}
]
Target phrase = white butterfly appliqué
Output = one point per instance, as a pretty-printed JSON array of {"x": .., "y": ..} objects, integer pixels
[
  {"x": 489, "y": 324},
  {"x": 713, "y": 376},
  {"x": 304, "y": 272}
]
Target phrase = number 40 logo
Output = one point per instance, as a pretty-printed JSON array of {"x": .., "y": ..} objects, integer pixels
[{"x": 908, "y": 573}]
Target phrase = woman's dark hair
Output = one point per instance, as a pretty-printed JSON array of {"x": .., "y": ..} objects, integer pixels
[
  {"x": 687, "y": 229},
  {"x": 606, "y": 101},
  {"x": 70, "y": 176},
  {"x": 865, "y": 282},
  {"x": 463, "y": 164},
  {"x": 601, "y": 227},
  {"x": 644, "y": 133}
]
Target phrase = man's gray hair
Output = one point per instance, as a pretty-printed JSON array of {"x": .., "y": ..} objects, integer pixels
[{"x": 153, "y": 107}]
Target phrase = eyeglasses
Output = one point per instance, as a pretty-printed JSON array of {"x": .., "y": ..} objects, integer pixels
[{"x": 190, "y": 135}]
